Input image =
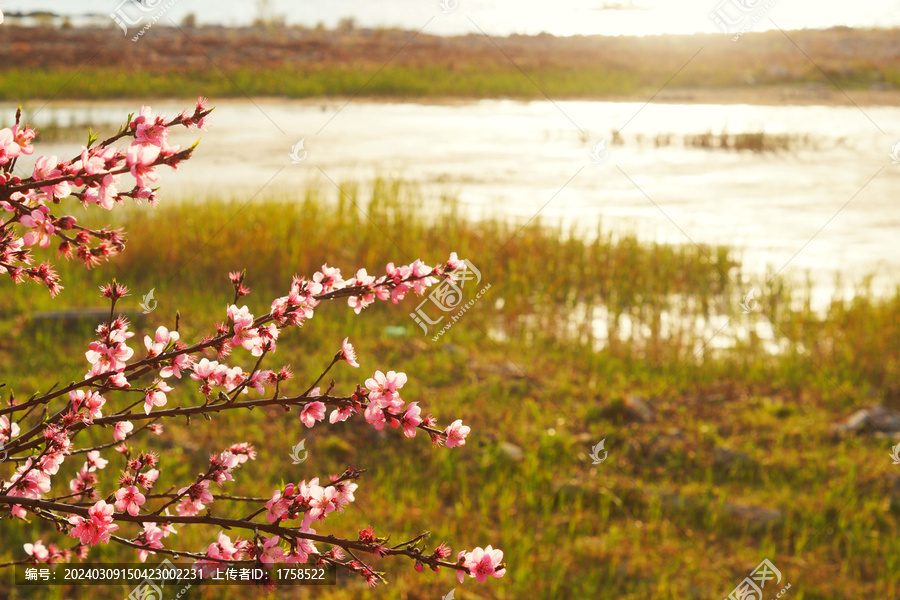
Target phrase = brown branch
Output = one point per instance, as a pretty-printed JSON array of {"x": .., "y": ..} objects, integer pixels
[{"x": 283, "y": 532}]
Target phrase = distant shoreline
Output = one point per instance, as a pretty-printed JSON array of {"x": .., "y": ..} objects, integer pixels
[
  {"x": 833, "y": 67},
  {"x": 774, "y": 96}
]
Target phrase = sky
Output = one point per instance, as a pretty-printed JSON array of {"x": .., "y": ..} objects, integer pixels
[{"x": 504, "y": 17}]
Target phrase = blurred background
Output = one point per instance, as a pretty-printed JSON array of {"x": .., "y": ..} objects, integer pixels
[{"x": 686, "y": 215}]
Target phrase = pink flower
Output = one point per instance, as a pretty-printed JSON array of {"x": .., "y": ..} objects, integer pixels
[
  {"x": 94, "y": 461},
  {"x": 140, "y": 159},
  {"x": 242, "y": 317},
  {"x": 29, "y": 482},
  {"x": 91, "y": 162},
  {"x": 151, "y": 130},
  {"x": 8, "y": 430},
  {"x": 91, "y": 400},
  {"x": 322, "y": 501},
  {"x": 37, "y": 551},
  {"x": 129, "y": 500},
  {"x": 344, "y": 493},
  {"x": 456, "y": 433},
  {"x": 197, "y": 495},
  {"x": 161, "y": 339},
  {"x": 146, "y": 480},
  {"x": 156, "y": 396},
  {"x": 385, "y": 387},
  {"x": 397, "y": 275},
  {"x": 41, "y": 227},
  {"x": 329, "y": 278},
  {"x": 152, "y": 537},
  {"x": 83, "y": 483},
  {"x": 348, "y": 353},
  {"x": 243, "y": 451},
  {"x": 251, "y": 338},
  {"x": 300, "y": 554},
  {"x": 221, "y": 466},
  {"x": 312, "y": 412},
  {"x": 375, "y": 415},
  {"x": 46, "y": 167},
  {"x": 49, "y": 463},
  {"x": 204, "y": 369},
  {"x": 9, "y": 149},
  {"x": 103, "y": 193},
  {"x": 259, "y": 379},
  {"x": 359, "y": 302},
  {"x": 223, "y": 548},
  {"x": 454, "y": 262},
  {"x": 340, "y": 414},
  {"x": 482, "y": 563},
  {"x": 233, "y": 378},
  {"x": 271, "y": 552},
  {"x": 182, "y": 362},
  {"x": 411, "y": 419},
  {"x": 277, "y": 506},
  {"x": 23, "y": 137},
  {"x": 121, "y": 430},
  {"x": 119, "y": 380},
  {"x": 97, "y": 528},
  {"x": 105, "y": 358}
]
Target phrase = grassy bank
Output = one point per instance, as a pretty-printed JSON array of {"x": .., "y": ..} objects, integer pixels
[
  {"x": 437, "y": 81},
  {"x": 305, "y": 63},
  {"x": 738, "y": 463}
]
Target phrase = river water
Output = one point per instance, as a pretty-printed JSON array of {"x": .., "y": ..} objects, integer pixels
[{"x": 827, "y": 205}]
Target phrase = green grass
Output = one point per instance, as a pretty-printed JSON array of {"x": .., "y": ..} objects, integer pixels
[
  {"x": 659, "y": 519},
  {"x": 437, "y": 81}
]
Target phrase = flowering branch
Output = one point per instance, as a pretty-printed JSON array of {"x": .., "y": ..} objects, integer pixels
[
  {"x": 94, "y": 177},
  {"x": 121, "y": 388}
]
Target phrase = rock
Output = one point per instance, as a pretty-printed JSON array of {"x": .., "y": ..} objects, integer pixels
[
  {"x": 877, "y": 419},
  {"x": 727, "y": 458},
  {"x": 585, "y": 438},
  {"x": 884, "y": 420},
  {"x": 505, "y": 369},
  {"x": 895, "y": 495},
  {"x": 512, "y": 451},
  {"x": 453, "y": 350},
  {"x": 639, "y": 409},
  {"x": 753, "y": 515},
  {"x": 856, "y": 421},
  {"x": 666, "y": 444}
]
